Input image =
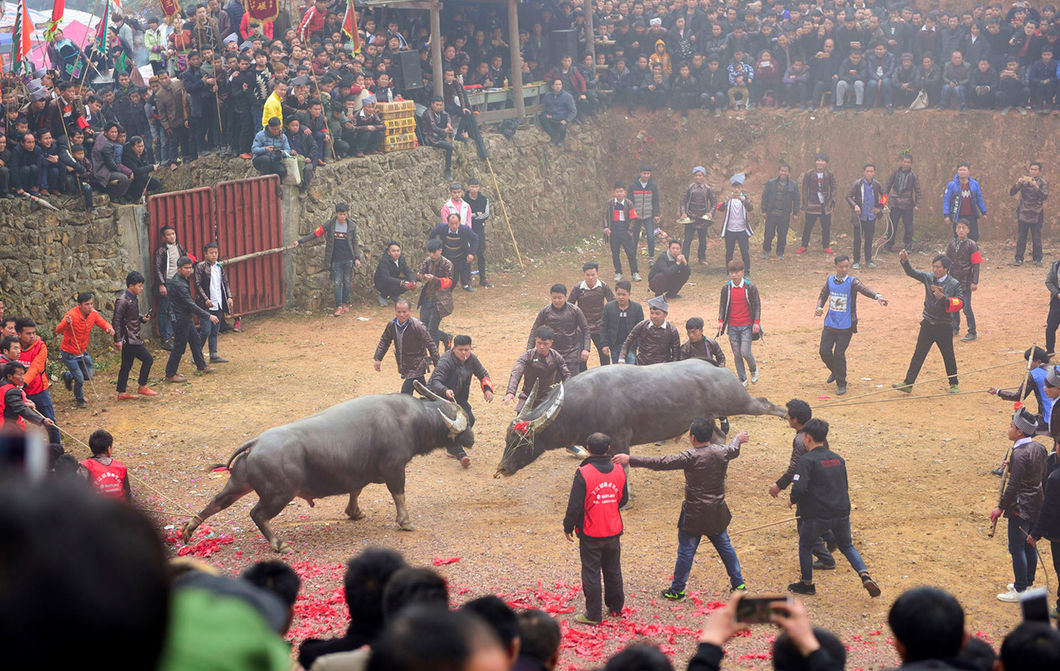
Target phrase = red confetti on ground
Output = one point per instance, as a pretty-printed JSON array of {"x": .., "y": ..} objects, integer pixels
[
  {"x": 442, "y": 561},
  {"x": 208, "y": 542}
]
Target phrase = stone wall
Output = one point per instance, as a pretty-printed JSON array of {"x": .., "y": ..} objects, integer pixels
[
  {"x": 552, "y": 195},
  {"x": 50, "y": 256}
]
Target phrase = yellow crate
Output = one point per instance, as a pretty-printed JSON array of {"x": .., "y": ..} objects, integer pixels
[
  {"x": 401, "y": 146},
  {"x": 399, "y": 106},
  {"x": 397, "y": 126},
  {"x": 399, "y": 142},
  {"x": 399, "y": 114}
]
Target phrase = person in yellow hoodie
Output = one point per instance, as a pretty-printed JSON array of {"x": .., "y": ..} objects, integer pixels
[
  {"x": 274, "y": 103},
  {"x": 662, "y": 57}
]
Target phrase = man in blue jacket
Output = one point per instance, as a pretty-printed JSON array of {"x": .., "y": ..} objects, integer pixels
[
  {"x": 964, "y": 200},
  {"x": 459, "y": 246},
  {"x": 559, "y": 111}
]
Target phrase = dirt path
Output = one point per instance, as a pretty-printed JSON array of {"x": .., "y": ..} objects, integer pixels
[{"x": 919, "y": 468}]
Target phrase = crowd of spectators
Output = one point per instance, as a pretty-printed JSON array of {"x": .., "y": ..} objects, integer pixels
[
  {"x": 108, "y": 565},
  {"x": 212, "y": 79}
]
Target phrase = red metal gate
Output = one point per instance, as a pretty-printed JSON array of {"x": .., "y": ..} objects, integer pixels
[
  {"x": 249, "y": 220},
  {"x": 241, "y": 217},
  {"x": 190, "y": 213}
]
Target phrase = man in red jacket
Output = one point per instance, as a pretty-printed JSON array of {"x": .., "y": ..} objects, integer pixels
[
  {"x": 75, "y": 328},
  {"x": 599, "y": 490},
  {"x": 34, "y": 355}
]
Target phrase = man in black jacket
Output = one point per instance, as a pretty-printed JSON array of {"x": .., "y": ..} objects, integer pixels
[
  {"x": 135, "y": 159},
  {"x": 780, "y": 202},
  {"x": 164, "y": 268},
  {"x": 184, "y": 332},
  {"x": 1047, "y": 525},
  {"x": 393, "y": 276},
  {"x": 669, "y": 272},
  {"x": 819, "y": 489},
  {"x": 126, "y": 322},
  {"x": 619, "y": 318},
  {"x": 452, "y": 379},
  {"x": 943, "y": 296},
  {"x": 342, "y": 253}
]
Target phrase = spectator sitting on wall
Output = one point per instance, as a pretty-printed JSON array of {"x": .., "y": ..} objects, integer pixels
[
  {"x": 558, "y": 111},
  {"x": 270, "y": 148}
]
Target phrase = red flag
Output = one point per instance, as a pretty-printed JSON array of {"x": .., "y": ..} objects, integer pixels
[
  {"x": 20, "y": 37},
  {"x": 349, "y": 26},
  {"x": 57, "y": 15}
]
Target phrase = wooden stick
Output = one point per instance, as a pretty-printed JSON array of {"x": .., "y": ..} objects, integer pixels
[
  {"x": 254, "y": 255},
  {"x": 504, "y": 209},
  {"x": 764, "y": 526}
]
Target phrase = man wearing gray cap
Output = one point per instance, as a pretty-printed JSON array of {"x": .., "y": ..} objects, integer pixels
[
  {"x": 655, "y": 339},
  {"x": 1021, "y": 500},
  {"x": 695, "y": 209}
]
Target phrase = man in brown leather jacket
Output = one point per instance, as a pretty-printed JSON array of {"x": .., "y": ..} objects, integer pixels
[
  {"x": 1021, "y": 500},
  {"x": 818, "y": 201},
  {"x": 412, "y": 345},
  {"x": 1032, "y": 190},
  {"x": 704, "y": 511},
  {"x": 540, "y": 364}
]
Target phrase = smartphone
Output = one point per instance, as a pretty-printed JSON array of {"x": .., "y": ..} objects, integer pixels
[
  {"x": 23, "y": 454},
  {"x": 1034, "y": 604},
  {"x": 756, "y": 609}
]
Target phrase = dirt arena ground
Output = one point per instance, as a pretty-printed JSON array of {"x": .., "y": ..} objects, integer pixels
[{"x": 919, "y": 466}]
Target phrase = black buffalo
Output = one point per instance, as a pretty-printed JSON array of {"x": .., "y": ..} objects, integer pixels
[
  {"x": 338, "y": 451},
  {"x": 632, "y": 404}
]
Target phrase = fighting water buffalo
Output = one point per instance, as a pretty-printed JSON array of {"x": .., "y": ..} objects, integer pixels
[
  {"x": 338, "y": 451},
  {"x": 632, "y": 404}
]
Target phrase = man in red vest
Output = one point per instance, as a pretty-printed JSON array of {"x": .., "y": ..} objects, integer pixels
[
  {"x": 108, "y": 476},
  {"x": 15, "y": 409},
  {"x": 598, "y": 492}
]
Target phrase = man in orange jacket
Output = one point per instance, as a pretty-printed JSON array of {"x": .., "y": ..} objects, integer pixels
[
  {"x": 35, "y": 356},
  {"x": 75, "y": 328}
]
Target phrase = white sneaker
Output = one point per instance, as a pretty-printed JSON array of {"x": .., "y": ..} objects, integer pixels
[
  {"x": 1011, "y": 596},
  {"x": 618, "y": 277},
  {"x": 754, "y": 376},
  {"x": 636, "y": 277}
]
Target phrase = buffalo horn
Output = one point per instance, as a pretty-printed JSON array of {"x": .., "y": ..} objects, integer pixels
[
  {"x": 424, "y": 391},
  {"x": 458, "y": 425},
  {"x": 524, "y": 414},
  {"x": 546, "y": 417}
]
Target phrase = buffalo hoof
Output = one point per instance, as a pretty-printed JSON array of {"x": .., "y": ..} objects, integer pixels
[
  {"x": 282, "y": 547},
  {"x": 355, "y": 515},
  {"x": 406, "y": 526},
  {"x": 186, "y": 532}
]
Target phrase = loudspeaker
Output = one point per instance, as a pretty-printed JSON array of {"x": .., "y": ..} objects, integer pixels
[
  {"x": 408, "y": 76},
  {"x": 564, "y": 43}
]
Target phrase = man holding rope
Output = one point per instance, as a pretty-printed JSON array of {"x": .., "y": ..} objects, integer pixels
[
  {"x": 1021, "y": 501},
  {"x": 821, "y": 492},
  {"x": 14, "y": 406},
  {"x": 75, "y": 327},
  {"x": 799, "y": 412},
  {"x": 704, "y": 511},
  {"x": 943, "y": 296}
]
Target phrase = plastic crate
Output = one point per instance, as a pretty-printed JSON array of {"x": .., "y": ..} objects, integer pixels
[
  {"x": 400, "y": 126},
  {"x": 399, "y": 106},
  {"x": 399, "y": 142}
]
